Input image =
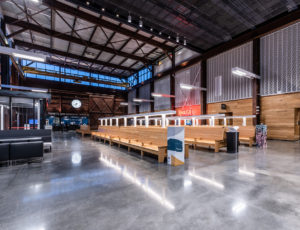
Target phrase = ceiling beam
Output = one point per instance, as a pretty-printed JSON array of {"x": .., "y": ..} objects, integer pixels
[
  {"x": 74, "y": 56},
  {"x": 90, "y": 70},
  {"x": 103, "y": 23},
  {"x": 52, "y": 33}
]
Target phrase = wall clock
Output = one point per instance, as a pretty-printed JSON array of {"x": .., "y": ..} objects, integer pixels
[{"x": 76, "y": 103}]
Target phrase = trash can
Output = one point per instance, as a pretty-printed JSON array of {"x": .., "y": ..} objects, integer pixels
[{"x": 232, "y": 142}]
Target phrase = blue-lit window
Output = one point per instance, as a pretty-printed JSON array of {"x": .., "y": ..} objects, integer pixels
[
  {"x": 70, "y": 72},
  {"x": 141, "y": 76}
]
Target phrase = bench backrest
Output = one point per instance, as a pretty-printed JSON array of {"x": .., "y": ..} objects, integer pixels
[
  {"x": 247, "y": 131},
  {"x": 45, "y": 134},
  {"x": 205, "y": 132},
  {"x": 156, "y": 136}
]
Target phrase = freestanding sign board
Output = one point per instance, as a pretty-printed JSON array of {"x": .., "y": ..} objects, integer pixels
[{"x": 175, "y": 146}]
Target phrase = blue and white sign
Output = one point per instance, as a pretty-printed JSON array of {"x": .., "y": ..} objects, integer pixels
[{"x": 175, "y": 146}]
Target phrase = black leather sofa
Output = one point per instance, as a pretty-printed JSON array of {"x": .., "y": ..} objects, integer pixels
[
  {"x": 23, "y": 144},
  {"x": 26, "y": 150},
  {"x": 4, "y": 152}
]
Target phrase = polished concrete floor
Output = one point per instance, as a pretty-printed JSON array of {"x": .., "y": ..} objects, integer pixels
[{"x": 88, "y": 185}]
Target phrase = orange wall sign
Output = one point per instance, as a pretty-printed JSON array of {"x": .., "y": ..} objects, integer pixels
[{"x": 188, "y": 110}]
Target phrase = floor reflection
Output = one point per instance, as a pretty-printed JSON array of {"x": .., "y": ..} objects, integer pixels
[
  {"x": 144, "y": 185},
  {"x": 210, "y": 181}
]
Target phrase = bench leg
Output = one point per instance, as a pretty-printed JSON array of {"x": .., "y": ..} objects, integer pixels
[
  {"x": 128, "y": 149},
  {"x": 186, "y": 151},
  {"x": 250, "y": 143},
  {"x": 119, "y": 145},
  {"x": 142, "y": 153},
  {"x": 217, "y": 148},
  {"x": 82, "y": 134},
  {"x": 161, "y": 158}
]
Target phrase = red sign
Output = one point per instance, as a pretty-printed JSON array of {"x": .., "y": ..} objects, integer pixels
[{"x": 188, "y": 110}]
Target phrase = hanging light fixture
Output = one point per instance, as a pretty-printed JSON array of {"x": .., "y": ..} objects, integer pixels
[
  {"x": 169, "y": 37},
  {"x": 103, "y": 9},
  {"x": 88, "y": 3},
  {"x": 184, "y": 42},
  {"x": 129, "y": 18},
  {"x": 177, "y": 38},
  {"x": 159, "y": 33},
  {"x": 117, "y": 15},
  {"x": 140, "y": 22},
  {"x": 151, "y": 29}
]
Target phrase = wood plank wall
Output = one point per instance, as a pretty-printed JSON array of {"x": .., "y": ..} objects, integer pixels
[
  {"x": 236, "y": 107},
  {"x": 279, "y": 113}
]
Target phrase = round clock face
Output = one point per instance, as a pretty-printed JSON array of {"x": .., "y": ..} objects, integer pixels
[{"x": 76, "y": 104}]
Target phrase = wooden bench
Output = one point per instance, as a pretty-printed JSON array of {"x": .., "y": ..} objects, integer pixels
[
  {"x": 212, "y": 137},
  {"x": 247, "y": 135},
  {"x": 150, "y": 140},
  {"x": 84, "y": 130}
]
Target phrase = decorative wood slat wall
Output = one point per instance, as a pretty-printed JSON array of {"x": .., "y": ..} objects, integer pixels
[
  {"x": 279, "y": 113},
  {"x": 236, "y": 107}
]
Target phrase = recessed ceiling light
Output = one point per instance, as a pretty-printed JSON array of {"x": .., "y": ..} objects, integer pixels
[
  {"x": 117, "y": 15},
  {"x": 159, "y": 33},
  {"x": 151, "y": 29},
  {"x": 88, "y": 3},
  {"x": 103, "y": 9}
]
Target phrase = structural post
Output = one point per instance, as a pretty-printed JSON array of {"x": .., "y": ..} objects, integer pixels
[
  {"x": 256, "y": 82},
  {"x": 134, "y": 121},
  {"x": 203, "y": 96},
  {"x": 101, "y": 122},
  {"x": 155, "y": 122},
  {"x": 193, "y": 121},
  {"x": 137, "y": 95},
  {"x": 105, "y": 122},
  {"x": 163, "y": 120},
  {"x": 125, "y": 122},
  {"x": 110, "y": 122},
  {"x": 117, "y": 121},
  {"x": 147, "y": 121},
  {"x": 244, "y": 121},
  {"x": 172, "y": 81}
]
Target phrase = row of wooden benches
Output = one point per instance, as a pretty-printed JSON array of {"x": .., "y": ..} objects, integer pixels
[{"x": 154, "y": 139}]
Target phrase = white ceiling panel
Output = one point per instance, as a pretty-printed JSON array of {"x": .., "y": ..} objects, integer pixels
[
  {"x": 63, "y": 25},
  {"x": 128, "y": 62},
  {"x": 117, "y": 41},
  {"x": 130, "y": 47},
  {"x": 60, "y": 44},
  {"x": 100, "y": 36},
  {"x": 76, "y": 49},
  {"x": 117, "y": 60},
  {"x": 84, "y": 29},
  {"x": 105, "y": 56}
]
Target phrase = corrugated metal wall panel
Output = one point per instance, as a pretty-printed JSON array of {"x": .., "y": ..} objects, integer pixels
[
  {"x": 162, "y": 86},
  {"x": 231, "y": 87},
  {"x": 280, "y": 61},
  {"x": 144, "y": 92},
  {"x": 190, "y": 76},
  {"x": 131, "y": 104}
]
